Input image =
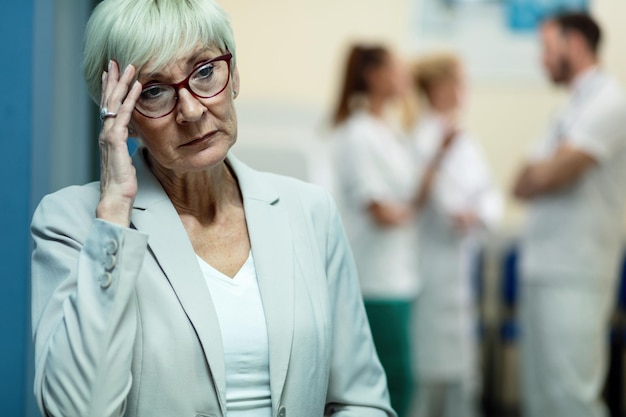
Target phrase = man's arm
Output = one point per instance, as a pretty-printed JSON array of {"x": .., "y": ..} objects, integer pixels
[{"x": 565, "y": 167}]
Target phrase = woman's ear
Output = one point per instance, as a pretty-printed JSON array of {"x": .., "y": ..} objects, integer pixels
[
  {"x": 131, "y": 131},
  {"x": 235, "y": 81}
]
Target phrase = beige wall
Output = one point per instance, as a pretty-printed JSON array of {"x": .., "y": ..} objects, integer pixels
[{"x": 291, "y": 51}]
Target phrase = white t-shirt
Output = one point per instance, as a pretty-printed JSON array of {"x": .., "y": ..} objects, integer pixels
[
  {"x": 373, "y": 164},
  {"x": 577, "y": 231},
  {"x": 241, "y": 316}
]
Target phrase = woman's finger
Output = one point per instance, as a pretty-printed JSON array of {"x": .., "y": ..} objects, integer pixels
[
  {"x": 118, "y": 99},
  {"x": 119, "y": 91},
  {"x": 128, "y": 106},
  {"x": 111, "y": 79}
]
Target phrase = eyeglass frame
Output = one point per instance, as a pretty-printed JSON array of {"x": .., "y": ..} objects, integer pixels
[{"x": 185, "y": 83}]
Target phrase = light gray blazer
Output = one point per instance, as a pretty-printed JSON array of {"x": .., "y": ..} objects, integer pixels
[{"x": 124, "y": 325}]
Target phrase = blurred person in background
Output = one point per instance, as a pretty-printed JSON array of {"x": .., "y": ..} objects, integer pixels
[
  {"x": 575, "y": 187},
  {"x": 185, "y": 283},
  {"x": 381, "y": 194},
  {"x": 463, "y": 203}
]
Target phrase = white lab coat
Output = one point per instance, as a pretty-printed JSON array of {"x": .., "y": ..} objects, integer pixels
[
  {"x": 373, "y": 164},
  {"x": 571, "y": 250},
  {"x": 445, "y": 318}
]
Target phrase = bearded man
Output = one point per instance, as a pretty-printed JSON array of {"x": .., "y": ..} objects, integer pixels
[{"x": 575, "y": 187}]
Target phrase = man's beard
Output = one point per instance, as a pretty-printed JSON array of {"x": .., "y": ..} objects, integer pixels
[{"x": 562, "y": 74}]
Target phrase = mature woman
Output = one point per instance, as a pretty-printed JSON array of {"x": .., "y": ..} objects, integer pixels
[
  {"x": 463, "y": 203},
  {"x": 184, "y": 283},
  {"x": 379, "y": 188}
]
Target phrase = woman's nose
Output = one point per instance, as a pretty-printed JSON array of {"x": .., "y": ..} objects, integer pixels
[{"x": 189, "y": 108}]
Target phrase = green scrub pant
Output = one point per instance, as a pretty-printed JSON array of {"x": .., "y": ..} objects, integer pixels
[{"x": 390, "y": 324}]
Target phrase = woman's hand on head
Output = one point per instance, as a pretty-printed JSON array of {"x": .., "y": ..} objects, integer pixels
[{"x": 118, "y": 179}]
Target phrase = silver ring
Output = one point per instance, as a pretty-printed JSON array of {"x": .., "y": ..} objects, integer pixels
[{"x": 104, "y": 113}]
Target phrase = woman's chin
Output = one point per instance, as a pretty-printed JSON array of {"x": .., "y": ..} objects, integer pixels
[{"x": 204, "y": 159}]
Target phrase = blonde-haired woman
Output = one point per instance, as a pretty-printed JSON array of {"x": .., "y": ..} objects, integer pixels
[
  {"x": 463, "y": 203},
  {"x": 185, "y": 283}
]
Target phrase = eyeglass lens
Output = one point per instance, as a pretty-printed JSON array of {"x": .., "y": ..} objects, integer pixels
[{"x": 207, "y": 80}]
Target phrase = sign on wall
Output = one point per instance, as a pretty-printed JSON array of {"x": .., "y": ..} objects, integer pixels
[{"x": 496, "y": 38}]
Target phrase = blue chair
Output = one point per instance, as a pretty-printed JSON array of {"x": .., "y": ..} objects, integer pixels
[
  {"x": 509, "y": 292},
  {"x": 506, "y": 395}
]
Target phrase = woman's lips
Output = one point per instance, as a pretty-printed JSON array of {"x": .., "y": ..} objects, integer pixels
[{"x": 202, "y": 139}]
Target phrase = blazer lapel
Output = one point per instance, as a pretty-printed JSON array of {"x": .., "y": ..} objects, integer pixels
[
  {"x": 155, "y": 215},
  {"x": 272, "y": 249}
]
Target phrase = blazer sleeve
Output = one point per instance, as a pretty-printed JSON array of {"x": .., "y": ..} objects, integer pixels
[
  {"x": 84, "y": 314},
  {"x": 357, "y": 385}
]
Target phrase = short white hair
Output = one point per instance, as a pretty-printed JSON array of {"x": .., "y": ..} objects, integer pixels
[{"x": 156, "y": 31}]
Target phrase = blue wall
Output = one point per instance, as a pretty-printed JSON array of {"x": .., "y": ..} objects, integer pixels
[
  {"x": 40, "y": 54},
  {"x": 16, "y": 39}
]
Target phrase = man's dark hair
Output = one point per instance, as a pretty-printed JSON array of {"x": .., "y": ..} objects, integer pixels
[{"x": 583, "y": 24}]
